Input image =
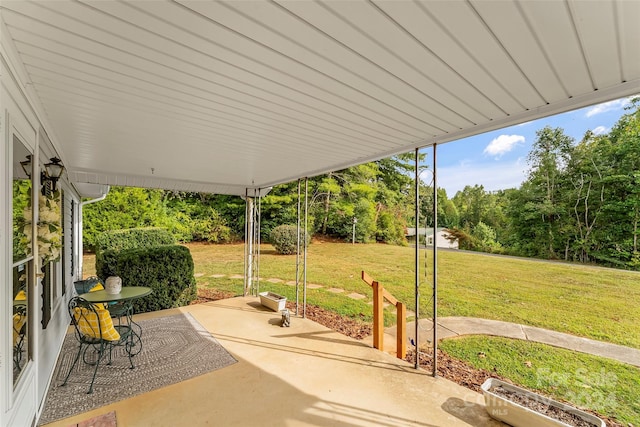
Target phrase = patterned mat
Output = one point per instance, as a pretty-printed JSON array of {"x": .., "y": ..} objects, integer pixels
[{"x": 175, "y": 348}]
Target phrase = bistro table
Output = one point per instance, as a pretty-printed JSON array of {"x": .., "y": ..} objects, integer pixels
[{"x": 120, "y": 306}]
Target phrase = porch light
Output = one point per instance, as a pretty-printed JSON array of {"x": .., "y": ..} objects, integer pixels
[
  {"x": 53, "y": 172},
  {"x": 26, "y": 166}
]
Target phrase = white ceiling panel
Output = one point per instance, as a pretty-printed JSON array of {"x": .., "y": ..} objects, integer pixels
[
  {"x": 228, "y": 96},
  {"x": 602, "y": 49},
  {"x": 627, "y": 19}
]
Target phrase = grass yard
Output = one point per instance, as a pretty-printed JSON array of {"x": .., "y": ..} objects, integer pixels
[
  {"x": 605, "y": 386},
  {"x": 593, "y": 302}
]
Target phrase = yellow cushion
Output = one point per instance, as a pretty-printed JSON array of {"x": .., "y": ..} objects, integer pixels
[
  {"x": 21, "y": 296},
  {"x": 18, "y": 321},
  {"x": 88, "y": 323},
  {"x": 98, "y": 287}
]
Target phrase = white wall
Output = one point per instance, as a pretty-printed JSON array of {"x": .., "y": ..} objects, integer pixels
[{"x": 21, "y": 404}]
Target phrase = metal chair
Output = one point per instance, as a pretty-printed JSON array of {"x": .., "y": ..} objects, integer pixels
[
  {"x": 94, "y": 330},
  {"x": 117, "y": 310},
  {"x": 19, "y": 333}
]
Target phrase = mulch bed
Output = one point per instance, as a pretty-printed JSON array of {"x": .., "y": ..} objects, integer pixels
[
  {"x": 206, "y": 295},
  {"x": 345, "y": 325}
]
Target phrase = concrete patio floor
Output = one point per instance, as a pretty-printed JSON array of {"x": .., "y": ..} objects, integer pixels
[{"x": 304, "y": 375}]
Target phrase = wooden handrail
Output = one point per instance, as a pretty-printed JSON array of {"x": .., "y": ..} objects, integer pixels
[
  {"x": 379, "y": 294},
  {"x": 369, "y": 280}
]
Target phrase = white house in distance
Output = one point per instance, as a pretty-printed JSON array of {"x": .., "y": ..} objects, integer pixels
[
  {"x": 426, "y": 235},
  {"x": 236, "y": 97}
]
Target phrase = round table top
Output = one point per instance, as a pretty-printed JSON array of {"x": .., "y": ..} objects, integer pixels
[{"x": 126, "y": 293}]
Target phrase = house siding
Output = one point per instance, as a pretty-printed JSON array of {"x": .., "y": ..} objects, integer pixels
[{"x": 20, "y": 404}]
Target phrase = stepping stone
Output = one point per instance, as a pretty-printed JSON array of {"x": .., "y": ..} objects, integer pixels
[
  {"x": 236, "y": 276},
  {"x": 290, "y": 283},
  {"x": 217, "y": 276},
  {"x": 384, "y": 304},
  {"x": 313, "y": 286},
  {"x": 356, "y": 295},
  {"x": 335, "y": 290},
  {"x": 198, "y": 275},
  {"x": 274, "y": 280}
]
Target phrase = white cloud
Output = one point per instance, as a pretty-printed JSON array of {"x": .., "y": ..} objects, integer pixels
[
  {"x": 608, "y": 106},
  {"x": 502, "y": 145},
  {"x": 600, "y": 130},
  {"x": 490, "y": 175}
]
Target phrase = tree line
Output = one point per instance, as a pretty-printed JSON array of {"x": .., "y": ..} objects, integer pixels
[{"x": 579, "y": 202}]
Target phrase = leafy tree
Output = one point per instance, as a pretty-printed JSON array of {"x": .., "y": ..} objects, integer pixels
[
  {"x": 124, "y": 208},
  {"x": 475, "y": 205},
  {"x": 485, "y": 237},
  {"x": 619, "y": 233},
  {"x": 545, "y": 210}
]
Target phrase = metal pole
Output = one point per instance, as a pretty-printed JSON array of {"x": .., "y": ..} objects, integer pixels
[
  {"x": 435, "y": 264},
  {"x": 353, "y": 236},
  {"x": 246, "y": 242},
  {"x": 417, "y": 256},
  {"x": 249, "y": 243},
  {"x": 306, "y": 220},
  {"x": 258, "y": 249},
  {"x": 298, "y": 253}
]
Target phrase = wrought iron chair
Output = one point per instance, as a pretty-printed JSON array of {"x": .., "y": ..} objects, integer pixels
[
  {"x": 19, "y": 333},
  {"x": 94, "y": 283},
  {"x": 94, "y": 330}
]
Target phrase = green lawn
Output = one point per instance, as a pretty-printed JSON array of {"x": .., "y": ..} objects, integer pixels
[
  {"x": 593, "y": 302},
  {"x": 605, "y": 386}
]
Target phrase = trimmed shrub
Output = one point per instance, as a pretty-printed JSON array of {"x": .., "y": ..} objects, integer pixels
[
  {"x": 285, "y": 239},
  {"x": 133, "y": 238},
  {"x": 168, "y": 270}
]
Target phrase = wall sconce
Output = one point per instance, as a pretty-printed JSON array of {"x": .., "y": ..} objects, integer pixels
[
  {"x": 52, "y": 173},
  {"x": 26, "y": 166}
]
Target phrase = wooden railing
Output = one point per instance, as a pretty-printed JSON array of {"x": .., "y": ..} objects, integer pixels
[{"x": 379, "y": 294}]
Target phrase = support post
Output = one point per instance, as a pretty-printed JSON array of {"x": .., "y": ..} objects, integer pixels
[
  {"x": 257, "y": 248},
  {"x": 298, "y": 254},
  {"x": 378, "y": 316},
  {"x": 304, "y": 245},
  {"x": 417, "y": 256},
  {"x": 435, "y": 264},
  {"x": 401, "y": 341},
  {"x": 248, "y": 242}
]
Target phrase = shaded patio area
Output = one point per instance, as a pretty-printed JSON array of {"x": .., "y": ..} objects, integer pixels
[{"x": 302, "y": 375}]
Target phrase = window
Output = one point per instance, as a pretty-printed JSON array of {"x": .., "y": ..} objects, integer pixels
[{"x": 22, "y": 255}]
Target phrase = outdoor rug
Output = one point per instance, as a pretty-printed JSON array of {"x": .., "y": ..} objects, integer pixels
[{"x": 175, "y": 348}]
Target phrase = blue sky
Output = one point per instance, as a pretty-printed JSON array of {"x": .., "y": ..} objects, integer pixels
[{"x": 498, "y": 159}]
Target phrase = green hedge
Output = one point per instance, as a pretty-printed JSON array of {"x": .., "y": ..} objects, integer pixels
[
  {"x": 133, "y": 238},
  {"x": 168, "y": 270}
]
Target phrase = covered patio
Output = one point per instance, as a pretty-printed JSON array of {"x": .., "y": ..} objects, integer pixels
[
  {"x": 236, "y": 97},
  {"x": 304, "y": 375}
]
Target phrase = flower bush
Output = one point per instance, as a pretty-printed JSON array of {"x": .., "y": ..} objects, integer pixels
[{"x": 49, "y": 228}]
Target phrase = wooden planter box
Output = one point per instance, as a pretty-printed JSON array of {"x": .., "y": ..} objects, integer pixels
[
  {"x": 517, "y": 415},
  {"x": 273, "y": 301}
]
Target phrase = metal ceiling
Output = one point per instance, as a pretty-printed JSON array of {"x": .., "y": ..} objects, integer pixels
[{"x": 224, "y": 96}]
